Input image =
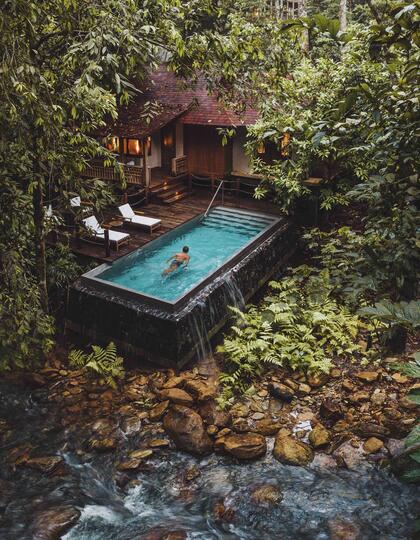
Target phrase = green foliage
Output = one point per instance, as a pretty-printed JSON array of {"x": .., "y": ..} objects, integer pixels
[
  {"x": 299, "y": 325},
  {"x": 412, "y": 441},
  {"x": 403, "y": 313},
  {"x": 102, "y": 363}
]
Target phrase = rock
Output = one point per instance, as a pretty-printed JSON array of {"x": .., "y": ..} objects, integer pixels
[
  {"x": 162, "y": 533},
  {"x": 131, "y": 425},
  {"x": 186, "y": 428},
  {"x": 266, "y": 495},
  {"x": 158, "y": 443},
  {"x": 104, "y": 426},
  {"x": 335, "y": 373},
  {"x": 242, "y": 446},
  {"x": 395, "y": 447},
  {"x": 319, "y": 436},
  {"x": 372, "y": 445},
  {"x": 315, "y": 381},
  {"x": 291, "y": 383},
  {"x": 257, "y": 416},
  {"x": 400, "y": 379},
  {"x": 349, "y": 456},
  {"x": 241, "y": 425},
  {"x": 53, "y": 523},
  {"x": 378, "y": 397},
  {"x": 212, "y": 415},
  {"x": 158, "y": 411},
  {"x": 45, "y": 464},
  {"x": 281, "y": 391},
  {"x": 359, "y": 397},
  {"x": 173, "y": 382},
  {"x": 342, "y": 529},
  {"x": 129, "y": 464},
  {"x": 367, "y": 376},
  {"x": 370, "y": 429},
  {"x": 141, "y": 454},
  {"x": 222, "y": 513},
  {"x": 323, "y": 461},
  {"x": 292, "y": 452},
  {"x": 267, "y": 427},
  {"x": 407, "y": 404},
  {"x": 102, "y": 445},
  {"x": 224, "y": 432},
  {"x": 304, "y": 389},
  {"x": 176, "y": 395},
  {"x": 348, "y": 385},
  {"x": 331, "y": 410},
  {"x": 200, "y": 390},
  {"x": 212, "y": 430}
]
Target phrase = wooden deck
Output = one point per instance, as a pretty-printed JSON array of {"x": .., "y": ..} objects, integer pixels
[{"x": 171, "y": 216}]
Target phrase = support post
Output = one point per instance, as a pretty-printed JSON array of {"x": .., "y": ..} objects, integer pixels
[{"x": 107, "y": 242}]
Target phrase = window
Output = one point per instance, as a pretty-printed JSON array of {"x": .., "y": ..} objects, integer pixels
[
  {"x": 132, "y": 147},
  {"x": 112, "y": 144}
]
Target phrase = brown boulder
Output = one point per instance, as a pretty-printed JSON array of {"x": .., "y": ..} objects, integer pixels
[
  {"x": 331, "y": 410},
  {"x": 242, "y": 446},
  {"x": 267, "y": 427},
  {"x": 292, "y": 452},
  {"x": 176, "y": 395},
  {"x": 158, "y": 411},
  {"x": 367, "y": 376},
  {"x": 186, "y": 429},
  {"x": 281, "y": 391},
  {"x": 315, "y": 381},
  {"x": 372, "y": 445},
  {"x": 342, "y": 529},
  {"x": 53, "y": 523},
  {"x": 200, "y": 390},
  {"x": 266, "y": 495},
  {"x": 210, "y": 413},
  {"x": 319, "y": 436},
  {"x": 45, "y": 464},
  {"x": 369, "y": 429}
]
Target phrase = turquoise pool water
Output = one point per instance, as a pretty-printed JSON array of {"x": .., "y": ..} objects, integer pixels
[{"x": 211, "y": 241}]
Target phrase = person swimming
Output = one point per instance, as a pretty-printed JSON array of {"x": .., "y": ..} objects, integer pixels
[{"x": 177, "y": 261}]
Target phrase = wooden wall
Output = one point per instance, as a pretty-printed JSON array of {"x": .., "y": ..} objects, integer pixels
[{"x": 206, "y": 155}]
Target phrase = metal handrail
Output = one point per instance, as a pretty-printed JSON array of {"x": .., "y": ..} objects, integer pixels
[{"x": 214, "y": 196}]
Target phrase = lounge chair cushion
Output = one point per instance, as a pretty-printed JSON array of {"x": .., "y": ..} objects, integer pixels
[
  {"x": 128, "y": 214},
  {"x": 76, "y": 201},
  {"x": 91, "y": 223}
]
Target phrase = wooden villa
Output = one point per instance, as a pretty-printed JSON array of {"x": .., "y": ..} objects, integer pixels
[{"x": 180, "y": 147}]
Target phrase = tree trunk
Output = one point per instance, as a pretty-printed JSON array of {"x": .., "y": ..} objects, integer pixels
[
  {"x": 343, "y": 15},
  {"x": 40, "y": 248}
]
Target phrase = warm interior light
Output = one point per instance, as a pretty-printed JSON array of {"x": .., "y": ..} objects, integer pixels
[
  {"x": 261, "y": 148},
  {"x": 284, "y": 144},
  {"x": 112, "y": 144},
  {"x": 132, "y": 147},
  {"x": 168, "y": 140}
]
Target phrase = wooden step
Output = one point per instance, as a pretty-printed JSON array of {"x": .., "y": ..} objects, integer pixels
[
  {"x": 161, "y": 189},
  {"x": 172, "y": 192},
  {"x": 177, "y": 197}
]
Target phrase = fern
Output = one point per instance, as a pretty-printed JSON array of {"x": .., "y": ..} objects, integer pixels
[
  {"x": 102, "y": 363},
  {"x": 299, "y": 325}
]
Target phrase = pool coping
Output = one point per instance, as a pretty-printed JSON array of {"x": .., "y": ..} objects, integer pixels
[{"x": 91, "y": 278}]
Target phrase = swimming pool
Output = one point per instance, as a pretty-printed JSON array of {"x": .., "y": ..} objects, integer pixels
[
  {"x": 212, "y": 241},
  {"x": 167, "y": 320}
]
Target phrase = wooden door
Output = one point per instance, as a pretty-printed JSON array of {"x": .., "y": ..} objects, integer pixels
[{"x": 168, "y": 146}]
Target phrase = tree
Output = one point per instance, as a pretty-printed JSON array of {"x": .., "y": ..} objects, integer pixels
[{"x": 343, "y": 15}]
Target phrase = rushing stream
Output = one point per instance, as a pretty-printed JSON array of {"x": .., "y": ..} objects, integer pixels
[{"x": 315, "y": 503}]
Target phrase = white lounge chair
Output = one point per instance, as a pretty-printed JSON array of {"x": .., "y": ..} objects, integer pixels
[
  {"x": 116, "y": 237},
  {"x": 130, "y": 216}
]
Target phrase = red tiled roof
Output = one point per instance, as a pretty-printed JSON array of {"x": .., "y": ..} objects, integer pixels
[{"x": 175, "y": 98}]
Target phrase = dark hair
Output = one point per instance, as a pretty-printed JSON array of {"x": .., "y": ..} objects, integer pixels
[{"x": 185, "y": 249}]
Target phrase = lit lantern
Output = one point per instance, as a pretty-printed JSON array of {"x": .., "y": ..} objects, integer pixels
[
  {"x": 261, "y": 148},
  {"x": 168, "y": 140},
  {"x": 284, "y": 145}
]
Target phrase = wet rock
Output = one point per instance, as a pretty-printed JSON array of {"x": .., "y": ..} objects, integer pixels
[
  {"x": 186, "y": 428},
  {"x": 335, "y": 373},
  {"x": 267, "y": 427},
  {"x": 45, "y": 464},
  {"x": 160, "y": 533},
  {"x": 331, "y": 410},
  {"x": 129, "y": 464},
  {"x": 303, "y": 389},
  {"x": 224, "y": 432},
  {"x": 242, "y": 446},
  {"x": 292, "y": 452},
  {"x": 400, "y": 379},
  {"x": 241, "y": 425},
  {"x": 131, "y": 425},
  {"x": 319, "y": 436},
  {"x": 173, "y": 382},
  {"x": 372, "y": 445},
  {"x": 141, "y": 454},
  {"x": 323, "y": 461},
  {"x": 378, "y": 397},
  {"x": 176, "y": 395},
  {"x": 103, "y": 426},
  {"x": 210, "y": 413},
  {"x": 281, "y": 391},
  {"x": 102, "y": 445},
  {"x": 222, "y": 513},
  {"x": 359, "y": 397},
  {"x": 51, "y": 524},
  {"x": 370, "y": 429},
  {"x": 200, "y": 390},
  {"x": 158, "y": 443},
  {"x": 367, "y": 376},
  {"x": 266, "y": 495},
  {"x": 343, "y": 529},
  {"x": 395, "y": 447},
  {"x": 315, "y": 381},
  {"x": 406, "y": 403},
  {"x": 349, "y": 456},
  {"x": 291, "y": 384},
  {"x": 157, "y": 412},
  {"x": 257, "y": 416},
  {"x": 348, "y": 385},
  {"x": 212, "y": 430}
]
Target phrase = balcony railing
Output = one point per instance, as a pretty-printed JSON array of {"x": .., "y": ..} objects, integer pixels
[{"x": 133, "y": 174}]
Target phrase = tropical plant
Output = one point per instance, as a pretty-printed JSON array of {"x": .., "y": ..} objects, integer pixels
[
  {"x": 298, "y": 325},
  {"x": 101, "y": 363},
  {"x": 412, "y": 441}
]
